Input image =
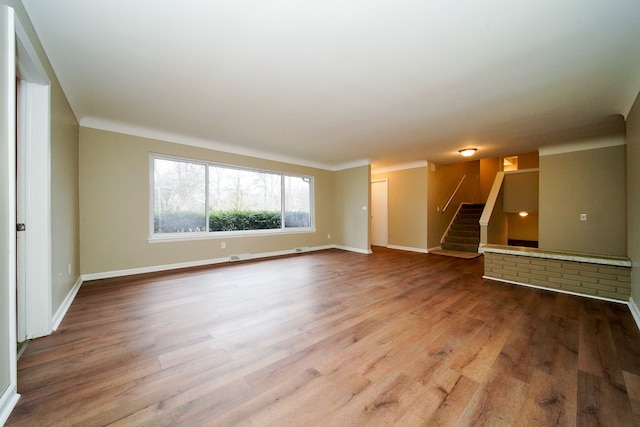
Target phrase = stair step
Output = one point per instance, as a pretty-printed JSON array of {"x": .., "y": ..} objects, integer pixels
[
  {"x": 465, "y": 227},
  {"x": 463, "y": 233},
  {"x": 462, "y": 239},
  {"x": 473, "y": 206},
  {"x": 460, "y": 247},
  {"x": 468, "y": 216},
  {"x": 466, "y": 223}
]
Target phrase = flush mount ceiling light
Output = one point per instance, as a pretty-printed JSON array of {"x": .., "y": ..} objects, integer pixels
[
  {"x": 523, "y": 214},
  {"x": 466, "y": 152}
]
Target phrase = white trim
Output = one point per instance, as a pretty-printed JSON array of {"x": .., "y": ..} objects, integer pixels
[
  {"x": 351, "y": 249},
  {"x": 64, "y": 307},
  {"x": 8, "y": 402},
  {"x": 635, "y": 311},
  {"x": 143, "y": 132},
  {"x": 399, "y": 167},
  {"x": 435, "y": 248},
  {"x": 189, "y": 264},
  {"x": 558, "y": 255},
  {"x": 151, "y": 269},
  {"x": 555, "y": 290},
  {"x": 34, "y": 137},
  {"x": 408, "y": 248},
  {"x": 612, "y": 141},
  {"x": 351, "y": 165},
  {"x": 491, "y": 200},
  {"x": 9, "y": 395},
  {"x": 522, "y": 171}
]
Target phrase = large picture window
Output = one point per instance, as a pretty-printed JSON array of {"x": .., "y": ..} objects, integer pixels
[{"x": 191, "y": 197}]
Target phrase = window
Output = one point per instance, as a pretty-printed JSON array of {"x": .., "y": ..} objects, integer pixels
[{"x": 191, "y": 197}]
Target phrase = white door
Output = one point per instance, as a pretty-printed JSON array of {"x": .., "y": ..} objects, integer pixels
[
  {"x": 32, "y": 190},
  {"x": 379, "y": 213}
]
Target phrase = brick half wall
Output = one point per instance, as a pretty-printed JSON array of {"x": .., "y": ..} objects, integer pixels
[{"x": 584, "y": 278}]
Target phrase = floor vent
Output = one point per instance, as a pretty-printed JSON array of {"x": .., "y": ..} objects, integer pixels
[
  {"x": 240, "y": 257},
  {"x": 302, "y": 249}
]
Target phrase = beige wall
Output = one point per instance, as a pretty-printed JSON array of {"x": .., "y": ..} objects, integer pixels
[
  {"x": 441, "y": 183},
  {"x": 65, "y": 218},
  {"x": 114, "y": 206},
  {"x": 520, "y": 192},
  {"x": 488, "y": 170},
  {"x": 498, "y": 228},
  {"x": 523, "y": 228},
  {"x": 352, "y": 193},
  {"x": 407, "y": 207},
  {"x": 633, "y": 196},
  {"x": 589, "y": 181},
  {"x": 528, "y": 160}
]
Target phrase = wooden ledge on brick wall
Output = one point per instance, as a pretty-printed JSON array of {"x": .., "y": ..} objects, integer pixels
[{"x": 598, "y": 276}]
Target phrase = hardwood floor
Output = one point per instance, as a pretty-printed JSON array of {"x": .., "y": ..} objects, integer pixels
[{"x": 332, "y": 338}]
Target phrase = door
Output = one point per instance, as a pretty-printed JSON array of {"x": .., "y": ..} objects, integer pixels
[
  {"x": 379, "y": 213},
  {"x": 32, "y": 191}
]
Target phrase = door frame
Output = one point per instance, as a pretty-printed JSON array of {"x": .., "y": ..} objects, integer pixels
[{"x": 34, "y": 142}]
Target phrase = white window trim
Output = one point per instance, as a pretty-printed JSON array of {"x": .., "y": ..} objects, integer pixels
[{"x": 203, "y": 235}]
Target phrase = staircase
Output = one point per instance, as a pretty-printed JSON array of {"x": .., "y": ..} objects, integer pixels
[{"x": 464, "y": 233}]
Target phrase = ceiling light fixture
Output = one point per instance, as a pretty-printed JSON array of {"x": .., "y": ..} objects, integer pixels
[
  {"x": 523, "y": 214},
  {"x": 466, "y": 152}
]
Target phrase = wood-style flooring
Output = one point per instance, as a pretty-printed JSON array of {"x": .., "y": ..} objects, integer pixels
[{"x": 332, "y": 338}]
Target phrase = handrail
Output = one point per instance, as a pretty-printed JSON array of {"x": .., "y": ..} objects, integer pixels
[{"x": 454, "y": 193}]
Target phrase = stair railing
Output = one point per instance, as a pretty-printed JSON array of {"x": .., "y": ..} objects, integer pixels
[
  {"x": 453, "y": 194},
  {"x": 453, "y": 219}
]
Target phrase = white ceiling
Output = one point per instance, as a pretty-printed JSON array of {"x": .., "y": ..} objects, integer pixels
[{"x": 337, "y": 82}]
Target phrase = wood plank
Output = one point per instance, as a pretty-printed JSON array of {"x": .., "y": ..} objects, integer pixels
[{"x": 332, "y": 338}]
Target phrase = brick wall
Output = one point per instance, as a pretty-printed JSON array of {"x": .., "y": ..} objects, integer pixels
[{"x": 607, "y": 281}]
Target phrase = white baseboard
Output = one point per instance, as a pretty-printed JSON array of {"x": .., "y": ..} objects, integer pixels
[
  {"x": 152, "y": 269},
  {"x": 408, "y": 248},
  {"x": 189, "y": 264},
  {"x": 350, "y": 249},
  {"x": 555, "y": 290},
  {"x": 8, "y": 401},
  {"x": 437, "y": 248},
  {"x": 635, "y": 311},
  {"x": 64, "y": 307}
]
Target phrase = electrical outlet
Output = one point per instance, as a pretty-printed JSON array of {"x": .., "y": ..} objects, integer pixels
[
  {"x": 69, "y": 269},
  {"x": 583, "y": 217},
  {"x": 223, "y": 245},
  {"x": 328, "y": 236}
]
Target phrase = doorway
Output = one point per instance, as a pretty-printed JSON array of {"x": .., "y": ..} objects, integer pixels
[
  {"x": 380, "y": 212},
  {"x": 32, "y": 192}
]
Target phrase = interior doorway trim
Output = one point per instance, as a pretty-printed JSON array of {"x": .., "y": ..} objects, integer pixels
[
  {"x": 33, "y": 137},
  {"x": 8, "y": 365}
]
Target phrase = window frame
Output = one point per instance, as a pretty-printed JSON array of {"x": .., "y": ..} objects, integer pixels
[{"x": 207, "y": 234}]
